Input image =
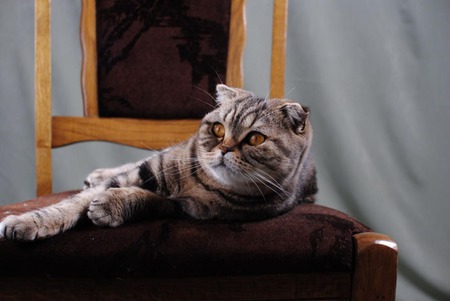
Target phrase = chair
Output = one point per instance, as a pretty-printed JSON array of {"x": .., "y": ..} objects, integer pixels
[{"x": 310, "y": 253}]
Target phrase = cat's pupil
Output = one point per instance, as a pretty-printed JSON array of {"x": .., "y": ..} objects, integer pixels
[
  {"x": 256, "y": 139},
  {"x": 218, "y": 130}
]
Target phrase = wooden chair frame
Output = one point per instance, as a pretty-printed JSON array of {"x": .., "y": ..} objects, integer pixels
[
  {"x": 373, "y": 278},
  {"x": 375, "y": 266},
  {"x": 56, "y": 131}
]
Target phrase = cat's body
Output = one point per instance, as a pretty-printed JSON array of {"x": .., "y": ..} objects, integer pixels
[{"x": 250, "y": 159}]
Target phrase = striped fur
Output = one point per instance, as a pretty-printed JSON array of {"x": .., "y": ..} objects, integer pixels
[{"x": 250, "y": 159}]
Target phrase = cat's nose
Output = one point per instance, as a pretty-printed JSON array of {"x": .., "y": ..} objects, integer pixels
[{"x": 225, "y": 149}]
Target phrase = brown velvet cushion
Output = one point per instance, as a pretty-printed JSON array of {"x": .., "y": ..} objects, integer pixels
[
  {"x": 160, "y": 59},
  {"x": 310, "y": 238}
]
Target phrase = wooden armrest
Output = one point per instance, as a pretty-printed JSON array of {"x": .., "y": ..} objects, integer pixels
[{"x": 375, "y": 274}]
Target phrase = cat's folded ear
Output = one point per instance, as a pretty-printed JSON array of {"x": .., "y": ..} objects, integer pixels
[
  {"x": 296, "y": 116},
  {"x": 226, "y": 93}
]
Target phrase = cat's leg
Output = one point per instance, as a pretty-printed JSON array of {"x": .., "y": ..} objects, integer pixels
[
  {"x": 50, "y": 220},
  {"x": 138, "y": 191},
  {"x": 99, "y": 176},
  {"x": 115, "y": 206}
]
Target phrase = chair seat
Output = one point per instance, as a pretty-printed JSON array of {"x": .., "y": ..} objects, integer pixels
[{"x": 310, "y": 238}]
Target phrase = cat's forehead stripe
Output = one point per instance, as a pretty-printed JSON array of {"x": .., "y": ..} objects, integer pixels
[
  {"x": 249, "y": 120},
  {"x": 228, "y": 114},
  {"x": 245, "y": 114},
  {"x": 252, "y": 113}
]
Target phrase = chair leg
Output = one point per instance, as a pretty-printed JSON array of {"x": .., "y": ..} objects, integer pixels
[
  {"x": 375, "y": 272},
  {"x": 43, "y": 97}
]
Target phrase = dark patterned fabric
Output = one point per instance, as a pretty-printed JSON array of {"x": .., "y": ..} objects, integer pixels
[
  {"x": 310, "y": 238},
  {"x": 160, "y": 59}
]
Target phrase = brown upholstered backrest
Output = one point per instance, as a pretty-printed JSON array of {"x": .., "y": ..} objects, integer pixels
[{"x": 160, "y": 59}]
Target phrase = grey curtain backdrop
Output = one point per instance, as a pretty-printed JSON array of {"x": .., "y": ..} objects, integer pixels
[{"x": 376, "y": 75}]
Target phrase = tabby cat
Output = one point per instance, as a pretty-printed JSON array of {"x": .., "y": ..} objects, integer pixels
[{"x": 249, "y": 160}]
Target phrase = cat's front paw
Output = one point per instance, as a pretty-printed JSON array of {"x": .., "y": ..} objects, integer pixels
[
  {"x": 97, "y": 177},
  {"x": 106, "y": 209},
  {"x": 20, "y": 227}
]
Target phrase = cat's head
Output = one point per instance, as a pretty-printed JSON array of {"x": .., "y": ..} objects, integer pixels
[{"x": 252, "y": 143}]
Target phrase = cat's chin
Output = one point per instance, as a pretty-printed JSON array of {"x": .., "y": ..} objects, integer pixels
[{"x": 226, "y": 177}]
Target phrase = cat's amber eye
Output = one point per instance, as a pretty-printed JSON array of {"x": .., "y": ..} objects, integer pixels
[
  {"x": 218, "y": 130},
  {"x": 255, "y": 139}
]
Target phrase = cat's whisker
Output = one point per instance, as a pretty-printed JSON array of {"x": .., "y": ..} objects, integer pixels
[
  {"x": 256, "y": 185},
  {"x": 259, "y": 170},
  {"x": 268, "y": 94},
  {"x": 272, "y": 188},
  {"x": 206, "y": 92},
  {"x": 218, "y": 76},
  {"x": 181, "y": 159},
  {"x": 156, "y": 175},
  {"x": 180, "y": 169},
  {"x": 245, "y": 177},
  {"x": 168, "y": 155},
  {"x": 148, "y": 147},
  {"x": 273, "y": 183},
  {"x": 269, "y": 186},
  {"x": 202, "y": 101},
  {"x": 289, "y": 92},
  {"x": 192, "y": 171},
  {"x": 174, "y": 170},
  {"x": 189, "y": 172}
]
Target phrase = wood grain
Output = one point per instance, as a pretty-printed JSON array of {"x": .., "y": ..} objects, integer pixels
[
  {"x": 141, "y": 133},
  {"x": 278, "y": 60},
  {"x": 236, "y": 44},
  {"x": 43, "y": 96},
  {"x": 88, "y": 36},
  {"x": 375, "y": 274}
]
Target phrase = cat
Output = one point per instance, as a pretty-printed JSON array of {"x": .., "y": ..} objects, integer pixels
[{"x": 249, "y": 160}]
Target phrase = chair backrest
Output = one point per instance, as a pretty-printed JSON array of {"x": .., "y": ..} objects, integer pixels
[{"x": 104, "y": 38}]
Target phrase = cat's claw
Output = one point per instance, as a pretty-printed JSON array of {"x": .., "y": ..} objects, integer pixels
[
  {"x": 105, "y": 210},
  {"x": 20, "y": 228},
  {"x": 97, "y": 177}
]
